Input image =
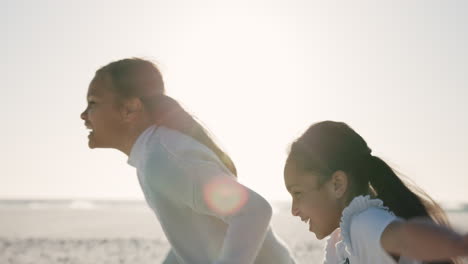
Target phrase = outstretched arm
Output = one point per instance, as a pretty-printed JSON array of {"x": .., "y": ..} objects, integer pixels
[{"x": 423, "y": 240}]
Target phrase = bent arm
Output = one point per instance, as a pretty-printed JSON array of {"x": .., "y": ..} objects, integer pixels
[
  {"x": 246, "y": 231},
  {"x": 423, "y": 240},
  {"x": 246, "y": 213}
]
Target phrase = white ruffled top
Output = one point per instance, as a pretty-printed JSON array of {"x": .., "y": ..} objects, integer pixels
[{"x": 358, "y": 238}]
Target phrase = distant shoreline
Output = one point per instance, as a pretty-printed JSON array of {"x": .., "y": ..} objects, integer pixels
[{"x": 127, "y": 204}]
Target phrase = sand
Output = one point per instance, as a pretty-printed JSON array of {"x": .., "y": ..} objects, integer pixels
[{"x": 122, "y": 235}]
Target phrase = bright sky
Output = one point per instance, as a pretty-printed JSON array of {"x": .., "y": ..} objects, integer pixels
[{"x": 257, "y": 73}]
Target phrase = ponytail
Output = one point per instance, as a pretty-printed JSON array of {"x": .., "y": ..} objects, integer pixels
[
  {"x": 169, "y": 113},
  {"x": 392, "y": 191},
  {"x": 403, "y": 199}
]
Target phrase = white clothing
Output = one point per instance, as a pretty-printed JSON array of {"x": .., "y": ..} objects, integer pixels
[
  {"x": 207, "y": 216},
  {"x": 357, "y": 241}
]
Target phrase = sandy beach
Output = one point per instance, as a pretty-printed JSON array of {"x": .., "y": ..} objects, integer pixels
[{"x": 122, "y": 234}]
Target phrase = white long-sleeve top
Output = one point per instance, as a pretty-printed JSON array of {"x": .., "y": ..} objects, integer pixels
[{"x": 207, "y": 216}]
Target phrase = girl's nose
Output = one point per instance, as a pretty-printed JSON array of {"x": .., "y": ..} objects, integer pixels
[
  {"x": 84, "y": 115},
  {"x": 294, "y": 210}
]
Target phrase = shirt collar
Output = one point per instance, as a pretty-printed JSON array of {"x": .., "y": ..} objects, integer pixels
[{"x": 139, "y": 147}]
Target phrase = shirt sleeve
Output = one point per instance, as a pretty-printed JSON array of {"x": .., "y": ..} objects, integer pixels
[
  {"x": 366, "y": 230},
  {"x": 199, "y": 181}
]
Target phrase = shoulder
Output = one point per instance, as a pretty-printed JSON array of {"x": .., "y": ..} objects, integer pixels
[
  {"x": 371, "y": 214},
  {"x": 363, "y": 222},
  {"x": 182, "y": 146},
  {"x": 173, "y": 141},
  {"x": 171, "y": 145},
  {"x": 370, "y": 219}
]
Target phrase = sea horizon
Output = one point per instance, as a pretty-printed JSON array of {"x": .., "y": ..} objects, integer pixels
[{"x": 96, "y": 203}]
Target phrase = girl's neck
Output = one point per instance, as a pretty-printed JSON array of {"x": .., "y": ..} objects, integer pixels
[{"x": 133, "y": 132}]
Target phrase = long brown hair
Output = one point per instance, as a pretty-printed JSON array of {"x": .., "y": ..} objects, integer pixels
[
  {"x": 328, "y": 146},
  {"x": 135, "y": 77}
]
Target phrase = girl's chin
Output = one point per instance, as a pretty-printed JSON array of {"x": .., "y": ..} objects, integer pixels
[
  {"x": 318, "y": 236},
  {"x": 321, "y": 235},
  {"x": 91, "y": 143}
]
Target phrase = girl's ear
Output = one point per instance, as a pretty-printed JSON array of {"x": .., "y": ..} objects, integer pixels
[
  {"x": 131, "y": 108},
  {"x": 339, "y": 181}
]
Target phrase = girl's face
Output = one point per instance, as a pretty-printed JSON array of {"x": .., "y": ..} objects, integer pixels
[
  {"x": 102, "y": 115},
  {"x": 314, "y": 204}
]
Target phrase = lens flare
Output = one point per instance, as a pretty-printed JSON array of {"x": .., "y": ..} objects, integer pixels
[{"x": 225, "y": 196}]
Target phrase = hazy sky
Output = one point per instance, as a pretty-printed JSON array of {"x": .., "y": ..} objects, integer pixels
[{"x": 256, "y": 73}]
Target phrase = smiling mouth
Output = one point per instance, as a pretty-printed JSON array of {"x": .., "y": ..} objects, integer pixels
[{"x": 90, "y": 130}]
